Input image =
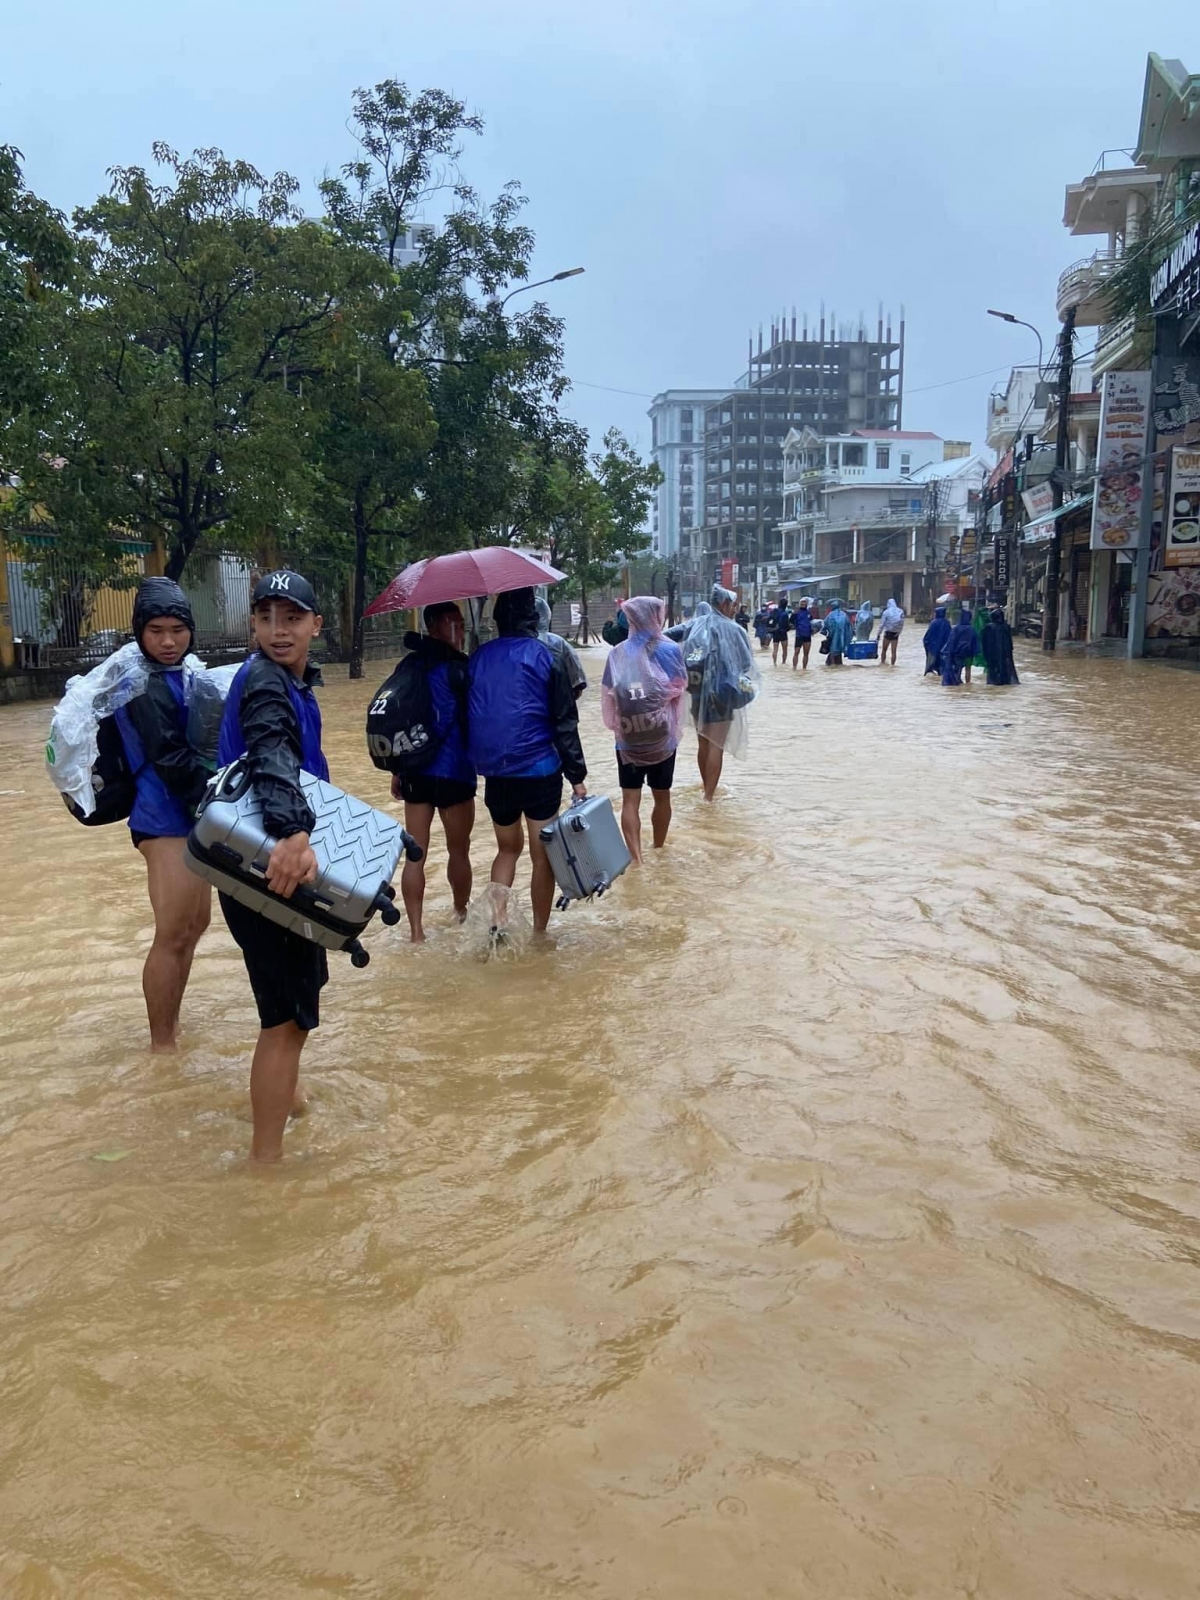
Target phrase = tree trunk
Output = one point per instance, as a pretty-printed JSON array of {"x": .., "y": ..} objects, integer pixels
[
  {"x": 583, "y": 612},
  {"x": 360, "y": 588}
]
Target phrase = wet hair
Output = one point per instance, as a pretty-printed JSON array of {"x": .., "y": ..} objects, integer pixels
[{"x": 432, "y": 615}]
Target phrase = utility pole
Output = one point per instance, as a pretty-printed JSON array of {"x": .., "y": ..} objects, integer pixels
[{"x": 1066, "y": 344}]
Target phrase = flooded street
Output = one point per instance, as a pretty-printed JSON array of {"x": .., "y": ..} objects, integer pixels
[{"x": 817, "y": 1216}]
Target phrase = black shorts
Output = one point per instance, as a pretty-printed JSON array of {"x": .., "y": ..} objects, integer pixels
[
  {"x": 286, "y": 972},
  {"x": 508, "y": 799},
  {"x": 889, "y": 637},
  {"x": 441, "y": 793},
  {"x": 660, "y": 776}
]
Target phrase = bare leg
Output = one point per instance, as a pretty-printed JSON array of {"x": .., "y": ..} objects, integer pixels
[
  {"x": 713, "y": 761},
  {"x": 541, "y": 882},
  {"x": 510, "y": 841},
  {"x": 660, "y": 817},
  {"x": 418, "y": 820},
  {"x": 274, "y": 1076},
  {"x": 631, "y": 822},
  {"x": 182, "y": 905},
  {"x": 458, "y": 822},
  {"x": 967, "y": 673}
]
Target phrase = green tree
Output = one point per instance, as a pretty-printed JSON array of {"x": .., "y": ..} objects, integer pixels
[
  {"x": 590, "y": 512},
  {"x": 176, "y": 392},
  {"x": 36, "y": 258},
  {"x": 492, "y": 381}
]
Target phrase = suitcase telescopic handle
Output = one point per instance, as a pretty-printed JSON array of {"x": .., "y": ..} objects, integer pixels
[{"x": 232, "y": 783}]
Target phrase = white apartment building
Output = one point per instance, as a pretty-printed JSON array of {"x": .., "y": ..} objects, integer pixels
[
  {"x": 872, "y": 513},
  {"x": 677, "y": 445}
]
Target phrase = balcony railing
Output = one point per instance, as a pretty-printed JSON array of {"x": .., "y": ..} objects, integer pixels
[
  {"x": 1111, "y": 339},
  {"x": 1082, "y": 286}
]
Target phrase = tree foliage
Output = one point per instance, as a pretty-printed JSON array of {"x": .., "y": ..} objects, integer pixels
[{"x": 196, "y": 363}]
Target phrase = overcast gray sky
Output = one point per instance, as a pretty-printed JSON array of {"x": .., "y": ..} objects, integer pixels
[{"x": 707, "y": 162}]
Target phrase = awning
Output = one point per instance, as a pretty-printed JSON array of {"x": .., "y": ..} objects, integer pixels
[
  {"x": 1047, "y": 517},
  {"x": 802, "y": 583}
]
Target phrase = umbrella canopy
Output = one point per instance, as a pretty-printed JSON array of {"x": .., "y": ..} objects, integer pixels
[{"x": 461, "y": 576}]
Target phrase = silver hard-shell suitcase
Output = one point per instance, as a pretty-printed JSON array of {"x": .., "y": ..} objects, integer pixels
[
  {"x": 586, "y": 849},
  {"x": 357, "y": 850}
]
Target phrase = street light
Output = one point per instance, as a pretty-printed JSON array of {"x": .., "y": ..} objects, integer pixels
[
  {"x": 1007, "y": 316},
  {"x": 571, "y": 272}
]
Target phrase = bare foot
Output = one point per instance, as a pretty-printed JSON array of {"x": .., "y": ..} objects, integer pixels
[{"x": 417, "y": 936}]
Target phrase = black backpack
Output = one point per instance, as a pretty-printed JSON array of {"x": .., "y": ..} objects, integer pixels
[
  {"x": 113, "y": 779},
  {"x": 402, "y": 735}
]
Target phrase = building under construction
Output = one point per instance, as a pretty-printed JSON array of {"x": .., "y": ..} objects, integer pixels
[{"x": 832, "y": 378}]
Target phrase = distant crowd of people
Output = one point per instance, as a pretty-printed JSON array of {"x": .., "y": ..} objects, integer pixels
[{"x": 982, "y": 639}]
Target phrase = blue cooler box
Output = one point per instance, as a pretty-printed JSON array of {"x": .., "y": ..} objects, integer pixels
[{"x": 863, "y": 650}]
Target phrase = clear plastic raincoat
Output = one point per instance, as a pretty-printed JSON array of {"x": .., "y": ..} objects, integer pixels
[
  {"x": 643, "y": 686},
  {"x": 722, "y": 680}
]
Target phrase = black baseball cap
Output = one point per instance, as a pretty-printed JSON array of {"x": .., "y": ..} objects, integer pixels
[{"x": 285, "y": 585}]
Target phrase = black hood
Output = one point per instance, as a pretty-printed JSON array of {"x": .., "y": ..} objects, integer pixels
[
  {"x": 435, "y": 651},
  {"x": 515, "y": 613},
  {"x": 161, "y": 597}
]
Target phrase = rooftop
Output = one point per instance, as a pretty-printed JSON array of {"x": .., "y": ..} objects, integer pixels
[{"x": 1169, "y": 126}]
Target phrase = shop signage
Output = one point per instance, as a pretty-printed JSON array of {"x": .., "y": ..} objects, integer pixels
[
  {"x": 1120, "y": 460},
  {"x": 1002, "y": 563},
  {"x": 1180, "y": 272},
  {"x": 1181, "y": 533},
  {"x": 1038, "y": 501}
]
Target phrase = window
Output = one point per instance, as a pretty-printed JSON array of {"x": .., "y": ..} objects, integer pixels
[
  {"x": 654, "y": 433},
  {"x": 905, "y": 464},
  {"x": 853, "y": 455},
  {"x": 685, "y": 417},
  {"x": 883, "y": 458}
]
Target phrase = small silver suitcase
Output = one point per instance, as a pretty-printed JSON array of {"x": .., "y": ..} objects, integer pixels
[
  {"x": 586, "y": 849},
  {"x": 357, "y": 850}
]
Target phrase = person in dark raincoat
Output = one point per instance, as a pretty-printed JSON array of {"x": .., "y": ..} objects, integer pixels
[
  {"x": 998, "y": 650},
  {"x": 959, "y": 649},
  {"x": 936, "y": 636}
]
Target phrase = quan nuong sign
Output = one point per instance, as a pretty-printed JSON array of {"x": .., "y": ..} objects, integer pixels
[{"x": 1179, "y": 274}]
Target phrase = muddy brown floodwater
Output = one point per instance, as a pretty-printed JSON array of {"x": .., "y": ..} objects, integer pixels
[{"x": 816, "y": 1216}]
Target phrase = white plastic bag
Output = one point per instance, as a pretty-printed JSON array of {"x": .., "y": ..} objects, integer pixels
[{"x": 92, "y": 696}]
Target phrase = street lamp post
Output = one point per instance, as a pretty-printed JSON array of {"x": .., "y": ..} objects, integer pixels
[
  {"x": 1007, "y": 316},
  {"x": 571, "y": 272}
]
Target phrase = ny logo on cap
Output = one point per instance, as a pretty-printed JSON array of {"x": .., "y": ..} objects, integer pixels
[{"x": 281, "y": 580}]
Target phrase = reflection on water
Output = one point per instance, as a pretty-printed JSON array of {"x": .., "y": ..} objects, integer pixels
[{"x": 816, "y": 1216}]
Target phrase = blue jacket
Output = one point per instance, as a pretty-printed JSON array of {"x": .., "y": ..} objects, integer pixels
[
  {"x": 522, "y": 718},
  {"x": 273, "y": 719},
  {"x": 168, "y": 776},
  {"x": 452, "y": 759},
  {"x": 803, "y": 619}
]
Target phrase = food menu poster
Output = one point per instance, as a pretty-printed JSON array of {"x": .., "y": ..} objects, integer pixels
[
  {"x": 1181, "y": 526},
  {"x": 1120, "y": 460}
]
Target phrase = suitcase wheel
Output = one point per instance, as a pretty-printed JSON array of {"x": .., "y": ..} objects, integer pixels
[
  {"x": 411, "y": 848},
  {"x": 358, "y": 956},
  {"x": 562, "y": 902},
  {"x": 578, "y": 825},
  {"x": 389, "y": 914}
]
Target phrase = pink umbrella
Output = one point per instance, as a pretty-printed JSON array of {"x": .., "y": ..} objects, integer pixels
[{"x": 462, "y": 576}]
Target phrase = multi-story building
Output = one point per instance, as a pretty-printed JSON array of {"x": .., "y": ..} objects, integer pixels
[
  {"x": 677, "y": 446},
  {"x": 876, "y": 512},
  {"x": 1018, "y": 408},
  {"x": 1155, "y": 201},
  {"x": 829, "y": 378}
]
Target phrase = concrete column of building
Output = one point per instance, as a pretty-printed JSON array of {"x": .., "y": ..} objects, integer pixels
[
  {"x": 8, "y": 653},
  {"x": 1100, "y": 588},
  {"x": 907, "y": 602}
]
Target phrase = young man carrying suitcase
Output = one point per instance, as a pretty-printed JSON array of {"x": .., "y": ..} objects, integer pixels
[{"x": 273, "y": 720}]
